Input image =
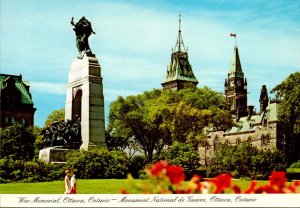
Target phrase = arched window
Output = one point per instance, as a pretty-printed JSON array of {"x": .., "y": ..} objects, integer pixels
[
  {"x": 216, "y": 143},
  {"x": 77, "y": 101},
  {"x": 24, "y": 121},
  {"x": 265, "y": 140},
  {"x": 13, "y": 120},
  {"x": 249, "y": 140}
]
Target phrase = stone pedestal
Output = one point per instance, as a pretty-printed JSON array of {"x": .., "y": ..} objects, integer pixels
[
  {"x": 53, "y": 154},
  {"x": 85, "y": 99}
]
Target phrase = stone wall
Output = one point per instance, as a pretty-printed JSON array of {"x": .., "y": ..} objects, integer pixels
[{"x": 263, "y": 137}]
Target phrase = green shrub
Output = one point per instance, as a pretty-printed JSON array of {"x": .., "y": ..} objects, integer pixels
[
  {"x": 36, "y": 171},
  {"x": 295, "y": 164},
  {"x": 98, "y": 163},
  {"x": 57, "y": 171},
  {"x": 185, "y": 155},
  {"x": 137, "y": 165},
  {"x": 29, "y": 171},
  {"x": 6, "y": 169},
  {"x": 246, "y": 161}
]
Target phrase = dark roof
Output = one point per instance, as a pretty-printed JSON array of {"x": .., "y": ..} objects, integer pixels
[
  {"x": 235, "y": 69},
  {"x": 22, "y": 86}
]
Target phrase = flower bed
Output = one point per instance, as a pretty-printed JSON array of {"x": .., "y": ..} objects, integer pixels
[{"x": 164, "y": 178}]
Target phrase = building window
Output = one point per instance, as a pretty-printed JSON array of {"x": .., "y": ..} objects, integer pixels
[
  {"x": 249, "y": 140},
  {"x": 265, "y": 140},
  {"x": 238, "y": 141},
  {"x": 23, "y": 121},
  {"x": 6, "y": 120},
  {"x": 13, "y": 120}
]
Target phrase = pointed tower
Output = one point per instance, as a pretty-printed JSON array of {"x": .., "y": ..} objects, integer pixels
[
  {"x": 236, "y": 85},
  {"x": 179, "y": 72}
]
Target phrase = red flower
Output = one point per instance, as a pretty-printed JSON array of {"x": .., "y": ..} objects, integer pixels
[
  {"x": 251, "y": 188},
  {"x": 175, "y": 174},
  {"x": 236, "y": 189},
  {"x": 266, "y": 189},
  {"x": 178, "y": 191},
  {"x": 123, "y": 191},
  {"x": 291, "y": 188},
  {"x": 222, "y": 182},
  {"x": 196, "y": 178},
  {"x": 296, "y": 183},
  {"x": 278, "y": 179},
  {"x": 158, "y": 167},
  {"x": 188, "y": 191}
]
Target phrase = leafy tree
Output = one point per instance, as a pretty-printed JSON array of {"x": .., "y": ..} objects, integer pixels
[
  {"x": 17, "y": 142},
  {"x": 115, "y": 143},
  {"x": 56, "y": 115},
  {"x": 157, "y": 118},
  {"x": 288, "y": 92}
]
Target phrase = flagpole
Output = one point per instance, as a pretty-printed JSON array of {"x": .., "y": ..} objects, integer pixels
[
  {"x": 234, "y": 35},
  {"x": 235, "y": 41}
]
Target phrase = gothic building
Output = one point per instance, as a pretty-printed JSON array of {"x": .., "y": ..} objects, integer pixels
[
  {"x": 236, "y": 86},
  {"x": 16, "y": 102},
  {"x": 179, "y": 72},
  {"x": 258, "y": 129}
]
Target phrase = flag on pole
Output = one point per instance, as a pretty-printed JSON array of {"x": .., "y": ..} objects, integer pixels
[{"x": 233, "y": 35}]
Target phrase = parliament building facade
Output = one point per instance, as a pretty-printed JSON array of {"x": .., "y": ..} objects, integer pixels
[
  {"x": 260, "y": 129},
  {"x": 16, "y": 105}
]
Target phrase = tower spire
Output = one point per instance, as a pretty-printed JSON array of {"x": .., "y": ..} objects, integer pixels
[
  {"x": 179, "y": 43},
  {"x": 179, "y": 72},
  {"x": 236, "y": 89},
  {"x": 235, "y": 69}
]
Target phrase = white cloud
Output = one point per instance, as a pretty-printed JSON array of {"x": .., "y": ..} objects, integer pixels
[
  {"x": 47, "y": 87},
  {"x": 112, "y": 94}
]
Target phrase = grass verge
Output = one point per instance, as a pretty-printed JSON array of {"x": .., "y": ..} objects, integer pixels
[{"x": 84, "y": 186}]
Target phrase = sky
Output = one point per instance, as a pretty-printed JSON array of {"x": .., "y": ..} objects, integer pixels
[{"x": 134, "y": 40}]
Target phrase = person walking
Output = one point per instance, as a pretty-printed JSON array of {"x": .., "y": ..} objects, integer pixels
[
  {"x": 67, "y": 182},
  {"x": 73, "y": 182}
]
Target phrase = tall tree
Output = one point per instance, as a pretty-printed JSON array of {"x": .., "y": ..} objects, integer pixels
[
  {"x": 17, "y": 142},
  {"x": 288, "y": 92},
  {"x": 157, "y": 118},
  {"x": 56, "y": 115}
]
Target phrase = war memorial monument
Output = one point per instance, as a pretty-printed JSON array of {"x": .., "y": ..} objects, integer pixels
[{"x": 84, "y": 125}]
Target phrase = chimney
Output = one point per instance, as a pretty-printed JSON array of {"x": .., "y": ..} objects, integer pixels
[{"x": 250, "y": 110}]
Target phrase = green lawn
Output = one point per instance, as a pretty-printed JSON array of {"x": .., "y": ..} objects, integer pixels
[{"x": 84, "y": 186}]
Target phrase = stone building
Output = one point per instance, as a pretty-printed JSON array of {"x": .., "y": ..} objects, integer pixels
[
  {"x": 258, "y": 129},
  {"x": 16, "y": 103}
]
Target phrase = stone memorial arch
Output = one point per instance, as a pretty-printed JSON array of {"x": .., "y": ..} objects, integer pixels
[{"x": 85, "y": 90}]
